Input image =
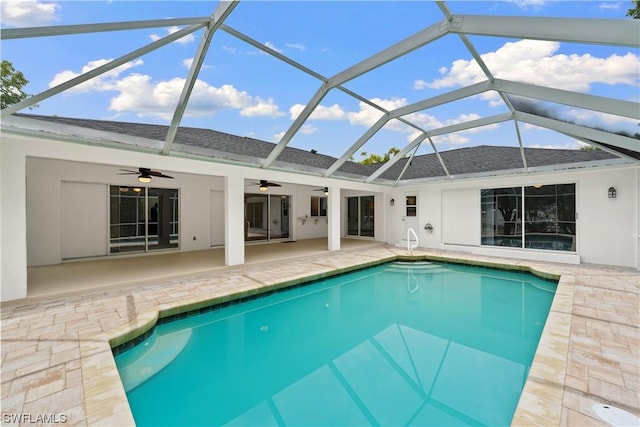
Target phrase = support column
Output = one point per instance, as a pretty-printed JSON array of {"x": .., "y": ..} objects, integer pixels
[
  {"x": 13, "y": 220},
  {"x": 234, "y": 220},
  {"x": 334, "y": 218}
]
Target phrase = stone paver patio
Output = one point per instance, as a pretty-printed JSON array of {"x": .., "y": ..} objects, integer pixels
[{"x": 57, "y": 365}]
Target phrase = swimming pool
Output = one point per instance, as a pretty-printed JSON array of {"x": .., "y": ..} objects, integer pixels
[{"x": 396, "y": 344}]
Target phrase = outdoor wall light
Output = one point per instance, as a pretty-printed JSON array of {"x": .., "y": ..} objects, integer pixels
[
  {"x": 612, "y": 193},
  {"x": 392, "y": 202},
  {"x": 428, "y": 227}
]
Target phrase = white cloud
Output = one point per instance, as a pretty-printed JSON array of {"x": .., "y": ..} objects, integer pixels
[
  {"x": 321, "y": 112},
  {"x": 610, "y": 5},
  {"x": 138, "y": 93},
  {"x": 99, "y": 83},
  {"x": 28, "y": 13},
  {"x": 334, "y": 112},
  {"x": 297, "y": 46},
  {"x": 262, "y": 108},
  {"x": 595, "y": 118},
  {"x": 189, "y": 38},
  {"x": 537, "y": 62},
  {"x": 574, "y": 145},
  {"x": 427, "y": 121},
  {"x": 308, "y": 129},
  {"x": 450, "y": 139},
  {"x": 272, "y": 46},
  {"x": 189, "y": 61},
  {"x": 529, "y": 4},
  {"x": 366, "y": 116}
]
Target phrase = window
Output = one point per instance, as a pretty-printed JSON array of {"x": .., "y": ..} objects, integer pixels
[
  {"x": 501, "y": 217},
  {"x": 142, "y": 219},
  {"x": 411, "y": 204},
  {"x": 318, "y": 206},
  {"x": 549, "y": 217}
]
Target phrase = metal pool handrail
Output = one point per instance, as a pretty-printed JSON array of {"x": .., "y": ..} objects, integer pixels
[{"x": 410, "y": 248}]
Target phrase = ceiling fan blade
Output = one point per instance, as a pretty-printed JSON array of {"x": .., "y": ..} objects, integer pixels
[
  {"x": 265, "y": 183},
  {"x": 128, "y": 172},
  {"x": 163, "y": 176}
]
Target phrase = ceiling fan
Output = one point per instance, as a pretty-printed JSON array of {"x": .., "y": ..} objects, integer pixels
[
  {"x": 325, "y": 190},
  {"x": 264, "y": 185},
  {"x": 144, "y": 174}
]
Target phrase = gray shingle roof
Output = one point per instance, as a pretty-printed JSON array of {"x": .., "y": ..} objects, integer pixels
[
  {"x": 193, "y": 140},
  {"x": 470, "y": 160},
  {"x": 487, "y": 158}
]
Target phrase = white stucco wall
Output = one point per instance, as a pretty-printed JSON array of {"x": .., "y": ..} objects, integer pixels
[
  {"x": 13, "y": 242},
  {"x": 607, "y": 229},
  {"x": 44, "y": 216},
  {"x": 33, "y": 170},
  {"x": 46, "y": 179}
]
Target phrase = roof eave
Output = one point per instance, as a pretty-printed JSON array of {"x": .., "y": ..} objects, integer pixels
[{"x": 564, "y": 167}]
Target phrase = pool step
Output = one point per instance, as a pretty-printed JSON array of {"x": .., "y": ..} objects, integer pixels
[
  {"x": 418, "y": 265},
  {"x": 415, "y": 267},
  {"x": 160, "y": 352}
]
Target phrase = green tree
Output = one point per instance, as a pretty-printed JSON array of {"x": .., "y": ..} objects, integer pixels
[
  {"x": 12, "y": 83},
  {"x": 589, "y": 148},
  {"x": 634, "y": 12},
  {"x": 376, "y": 158}
]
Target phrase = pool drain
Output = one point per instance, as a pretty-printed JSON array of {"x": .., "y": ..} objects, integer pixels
[{"x": 615, "y": 416}]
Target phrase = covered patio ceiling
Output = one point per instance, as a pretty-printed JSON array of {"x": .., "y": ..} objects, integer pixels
[{"x": 521, "y": 103}]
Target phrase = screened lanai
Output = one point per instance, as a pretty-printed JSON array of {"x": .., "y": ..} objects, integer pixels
[
  {"x": 416, "y": 78},
  {"x": 363, "y": 119},
  {"x": 247, "y": 146}
]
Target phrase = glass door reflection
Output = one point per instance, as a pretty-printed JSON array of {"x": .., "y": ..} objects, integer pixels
[
  {"x": 127, "y": 219},
  {"x": 143, "y": 219},
  {"x": 266, "y": 217}
]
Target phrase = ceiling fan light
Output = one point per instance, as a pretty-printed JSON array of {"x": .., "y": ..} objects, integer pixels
[
  {"x": 124, "y": 189},
  {"x": 137, "y": 189},
  {"x": 144, "y": 179},
  {"x": 264, "y": 187}
]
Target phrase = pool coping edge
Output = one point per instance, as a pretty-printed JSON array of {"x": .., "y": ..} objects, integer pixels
[{"x": 540, "y": 402}]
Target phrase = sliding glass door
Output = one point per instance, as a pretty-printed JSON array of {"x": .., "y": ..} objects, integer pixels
[
  {"x": 143, "y": 219},
  {"x": 266, "y": 217},
  {"x": 360, "y": 216},
  {"x": 255, "y": 217},
  {"x": 162, "y": 214}
]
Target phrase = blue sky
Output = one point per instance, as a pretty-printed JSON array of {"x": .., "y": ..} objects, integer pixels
[{"x": 243, "y": 91}]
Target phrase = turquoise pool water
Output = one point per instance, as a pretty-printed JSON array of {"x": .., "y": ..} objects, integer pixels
[{"x": 396, "y": 344}]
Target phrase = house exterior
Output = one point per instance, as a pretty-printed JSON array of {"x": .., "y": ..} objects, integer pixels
[{"x": 70, "y": 192}]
